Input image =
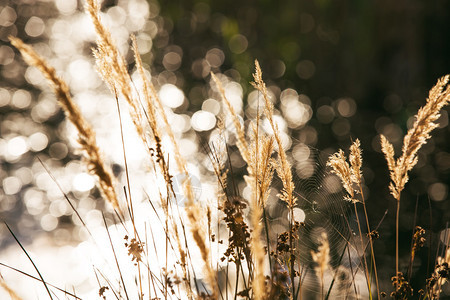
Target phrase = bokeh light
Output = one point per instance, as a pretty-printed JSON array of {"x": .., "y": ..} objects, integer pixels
[
  {"x": 6, "y": 55},
  {"x": 438, "y": 191},
  {"x": 203, "y": 120},
  {"x": 7, "y": 16},
  {"x": 305, "y": 69},
  {"x": 171, "y": 95},
  {"x": 34, "y": 27}
]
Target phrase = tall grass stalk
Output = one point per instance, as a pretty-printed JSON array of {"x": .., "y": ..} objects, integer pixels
[
  {"x": 417, "y": 136},
  {"x": 350, "y": 175},
  {"x": 257, "y": 155},
  {"x": 283, "y": 168}
]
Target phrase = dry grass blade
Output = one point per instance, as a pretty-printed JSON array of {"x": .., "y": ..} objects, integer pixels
[
  {"x": 115, "y": 257},
  {"x": 148, "y": 89},
  {"x": 257, "y": 155},
  {"x": 322, "y": 259},
  {"x": 259, "y": 179},
  {"x": 283, "y": 166},
  {"x": 39, "y": 279},
  {"x": 241, "y": 142},
  {"x": 112, "y": 67},
  {"x": 10, "y": 291},
  {"x": 31, "y": 260},
  {"x": 388, "y": 150},
  {"x": 349, "y": 172},
  {"x": 86, "y": 135},
  {"x": 351, "y": 177},
  {"x": 355, "y": 160},
  {"x": 258, "y": 185}
]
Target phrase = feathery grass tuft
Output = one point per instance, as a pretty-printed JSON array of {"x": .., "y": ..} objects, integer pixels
[
  {"x": 350, "y": 174},
  {"x": 86, "y": 135},
  {"x": 417, "y": 136}
]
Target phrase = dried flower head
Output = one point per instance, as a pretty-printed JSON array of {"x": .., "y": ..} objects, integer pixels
[{"x": 349, "y": 173}]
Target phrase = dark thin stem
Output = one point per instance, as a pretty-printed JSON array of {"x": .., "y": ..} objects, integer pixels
[
  {"x": 366, "y": 269},
  {"x": 64, "y": 194},
  {"x": 38, "y": 279},
  {"x": 238, "y": 262},
  {"x": 115, "y": 257},
  {"x": 129, "y": 187},
  {"x": 372, "y": 253},
  {"x": 412, "y": 256},
  {"x": 267, "y": 238},
  {"x": 431, "y": 236},
  {"x": 351, "y": 270},
  {"x": 335, "y": 273},
  {"x": 116, "y": 293},
  {"x": 396, "y": 242},
  {"x": 31, "y": 260},
  {"x": 291, "y": 247}
]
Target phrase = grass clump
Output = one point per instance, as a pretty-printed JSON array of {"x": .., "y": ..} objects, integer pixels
[{"x": 232, "y": 250}]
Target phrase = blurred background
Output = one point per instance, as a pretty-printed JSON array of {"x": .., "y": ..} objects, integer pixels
[{"x": 356, "y": 69}]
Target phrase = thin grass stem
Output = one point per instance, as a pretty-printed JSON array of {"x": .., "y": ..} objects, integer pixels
[{"x": 31, "y": 260}]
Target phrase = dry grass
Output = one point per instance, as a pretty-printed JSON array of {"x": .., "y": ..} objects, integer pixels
[
  {"x": 112, "y": 68},
  {"x": 86, "y": 135},
  {"x": 417, "y": 136},
  {"x": 439, "y": 277},
  {"x": 322, "y": 259},
  {"x": 350, "y": 174},
  {"x": 283, "y": 168},
  {"x": 252, "y": 270}
]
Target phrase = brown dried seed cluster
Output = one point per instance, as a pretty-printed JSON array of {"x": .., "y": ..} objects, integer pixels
[{"x": 403, "y": 288}]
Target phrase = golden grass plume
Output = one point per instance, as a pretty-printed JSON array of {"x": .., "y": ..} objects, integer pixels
[
  {"x": 283, "y": 166},
  {"x": 417, "y": 136},
  {"x": 86, "y": 135},
  {"x": 349, "y": 172}
]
